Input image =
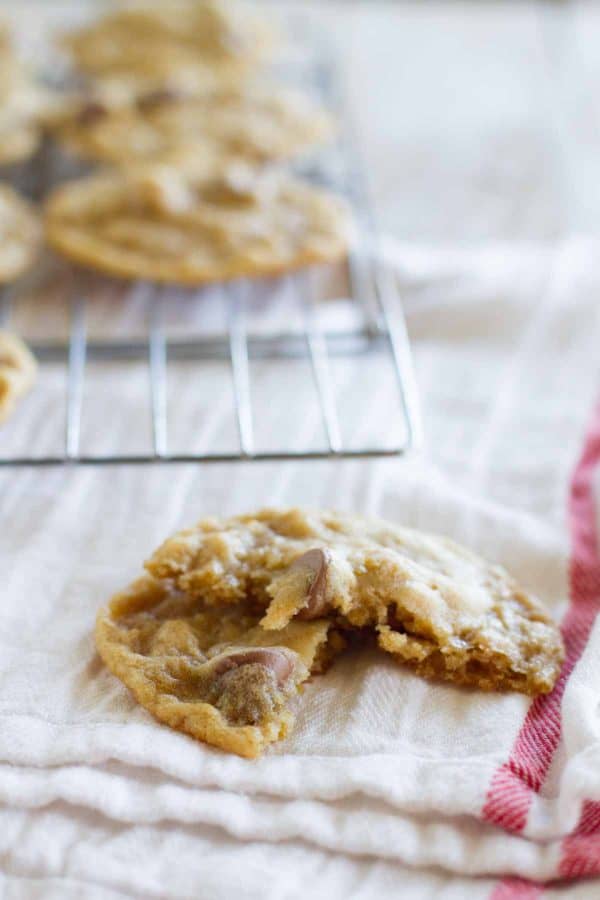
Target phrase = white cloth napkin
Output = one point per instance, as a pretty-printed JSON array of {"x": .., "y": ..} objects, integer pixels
[{"x": 384, "y": 772}]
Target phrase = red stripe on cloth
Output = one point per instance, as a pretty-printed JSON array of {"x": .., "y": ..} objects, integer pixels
[
  {"x": 589, "y": 821},
  {"x": 517, "y": 889},
  {"x": 580, "y": 856},
  {"x": 515, "y": 782},
  {"x": 508, "y": 799},
  {"x": 580, "y": 852}
]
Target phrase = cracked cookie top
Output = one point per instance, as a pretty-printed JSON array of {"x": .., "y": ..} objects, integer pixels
[{"x": 430, "y": 602}]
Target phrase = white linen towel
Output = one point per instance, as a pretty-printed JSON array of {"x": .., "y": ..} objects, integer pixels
[{"x": 383, "y": 771}]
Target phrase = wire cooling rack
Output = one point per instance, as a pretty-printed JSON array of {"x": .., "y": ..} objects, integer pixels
[{"x": 381, "y": 331}]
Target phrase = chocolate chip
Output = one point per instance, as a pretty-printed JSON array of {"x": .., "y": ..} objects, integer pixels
[
  {"x": 393, "y": 621},
  {"x": 160, "y": 97},
  {"x": 91, "y": 113},
  {"x": 271, "y": 658},
  {"x": 235, "y": 188},
  {"x": 317, "y": 562}
]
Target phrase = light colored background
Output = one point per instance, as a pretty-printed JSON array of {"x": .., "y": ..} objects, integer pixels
[{"x": 480, "y": 120}]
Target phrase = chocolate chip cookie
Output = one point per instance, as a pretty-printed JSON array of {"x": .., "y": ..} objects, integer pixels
[
  {"x": 18, "y": 370},
  {"x": 153, "y": 39},
  {"x": 159, "y": 224},
  {"x": 185, "y": 128},
  {"x": 430, "y": 602},
  {"x": 212, "y": 673},
  {"x": 20, "y": 102},
  {"x": 235, "y": 614},
  {"x": 20, "y": 234}
]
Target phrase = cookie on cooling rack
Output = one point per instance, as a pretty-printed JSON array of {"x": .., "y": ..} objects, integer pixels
[
  {"x": 214, "y": 674},
  {"x": 150, "y": 40},
  {"x": 18, "y": 370},
  {"x": 185, "y": 128},
  {"x": 19, "y": 104},
  {"x": 20, "y": 234},
  {"x": 431, "y": 603},
  {"x": 156, "y": 223}
]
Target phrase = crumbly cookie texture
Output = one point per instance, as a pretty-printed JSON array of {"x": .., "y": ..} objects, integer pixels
[
  {"x": 211, "y": 128},
  {"x": 432, "y": 603},
  {"x": 158, "y": 39},
  {"x": 156, "y": 223},
  {"x": 212, "y": 673},
  {"x": 20, "y": 234},
  {"x": 18, "y": 370}
]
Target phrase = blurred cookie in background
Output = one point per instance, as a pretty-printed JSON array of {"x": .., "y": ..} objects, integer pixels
[
  {"x": 18, "y": 370},
  {"x": 146, "y": 39},
  {"x": 20, "y": 235},
  {"x": 21, "y": 103},
  {"x": 160, "y": 224},
  {"x": 254, "y": 123}
]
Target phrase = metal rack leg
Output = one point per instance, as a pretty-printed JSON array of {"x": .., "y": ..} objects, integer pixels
[
  {"x": 5, "y": 306},
  {"x": 319, "y": 360},
  {"x": 75, "y": 377},
  {"x": 401, "y": 354},
  {"x": 238, "y": 347},
  {"x": 157, "y": 360}
]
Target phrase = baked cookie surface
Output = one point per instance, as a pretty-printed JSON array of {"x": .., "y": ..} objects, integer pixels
[
  {"x": 431, "y": 603},
  {"x": 214, "y": 674},
  {"x": 20, "y": 101},
  {"x": 158, "y": 224},
  {"x": 152, "y": 39},
  {"x": 20, "y": 234},
  {"x": 179, "y": 127},
  {"x": 18, "y": 370}
]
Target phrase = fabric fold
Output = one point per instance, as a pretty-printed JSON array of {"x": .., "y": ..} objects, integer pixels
[{"x": 381, "y": 764}]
